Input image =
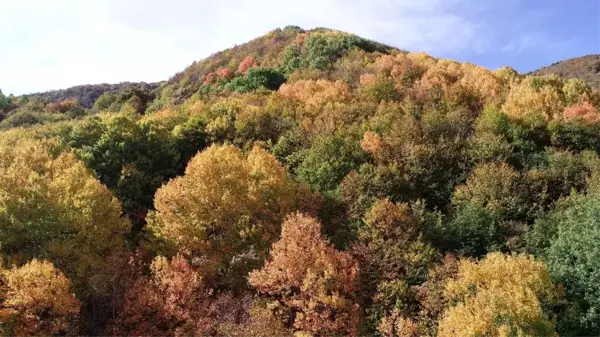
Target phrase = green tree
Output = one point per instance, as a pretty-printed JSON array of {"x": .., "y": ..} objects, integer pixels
[
  {"x": 329, "y": 160},
  {"x": 566, "y": 239}
]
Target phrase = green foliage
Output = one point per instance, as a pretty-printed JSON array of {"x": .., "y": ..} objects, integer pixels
[
  {"x": 567, "y": 240},
  {"x": 328, "y": 161},
  {"x": 269, "y": 78},
  {"x": 474, "y": 231},
  {"x": 4, "y": 102},
  {"x": 324, "y": 49},
  {"x": 133, "y": 158}
]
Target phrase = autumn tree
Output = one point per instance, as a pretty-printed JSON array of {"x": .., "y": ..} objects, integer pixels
[
  {"x": 542, "y": 96},
  {"x": 53, "y": 207},
  {"x": 393, "y": 258},
  {"x": 310, "y": 282},
  {"x": 499, "y": 296},
  {"x": 38, "y": 301},
  {"x": 227, "y": 209},
  {"x": 247, "y": 63},
  {"x": 164, "y": 304}
]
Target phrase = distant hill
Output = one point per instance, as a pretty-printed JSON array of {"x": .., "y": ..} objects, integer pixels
[
  {"x": 586, "y": 68},
  {"x": 87, "y": 94}
]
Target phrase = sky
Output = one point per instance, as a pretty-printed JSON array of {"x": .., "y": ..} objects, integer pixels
[{"x": 56, "y": 44}]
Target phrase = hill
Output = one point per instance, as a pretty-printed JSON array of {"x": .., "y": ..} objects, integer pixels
[
  {"x": 586, "y": 68},
  {"x": 86, "y": 95},
  {"x": 288, "y": 49},
  {"x": 306, "y": 183}
]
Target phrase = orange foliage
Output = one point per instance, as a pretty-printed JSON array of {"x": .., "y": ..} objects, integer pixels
[
  {"x": 165, "y": 304},
  {"x": 246, "y": 64},
  {"x": 371, "y": 143},
  {"x": 585, "y": 112},
  {"x": 316, "y": 93},
  {"x": 38, "y": 301},
  {"x": 227, "y": 203},
  {"x": 218, "y": 74},
  {"x": 395, "y": 325},
  {"x": 314, "y": 282}
]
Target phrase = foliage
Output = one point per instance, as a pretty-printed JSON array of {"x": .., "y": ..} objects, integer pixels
[
  {"x": 227, "y": 209},
  {"x": 54, "y": 208},
  {"x": 256, "y": 78},
  {"x": 499, "y": 296},
  {"x": 37, "y": 301},
  {"x": 393, "y": 257},
  {"x": 566, "y": 240},
  {"x": 395, "y": 158},
  {"x": 585, "y": 68},
  {"x": 311, "y": 282},
  {"x": 328, "y": 161}
]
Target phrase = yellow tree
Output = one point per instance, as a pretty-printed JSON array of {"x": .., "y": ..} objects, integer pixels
[
  {"x": 52, "y": 207},
  {"x": 541, "y": 96},
  {"x": 38, "y": 301},
  {"x": 227, "y": 209},
  {"x": 499, "y": 296},
  {"x": 313, "y": 283}
]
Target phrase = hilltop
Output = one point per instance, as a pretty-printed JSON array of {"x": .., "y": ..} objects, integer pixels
[{"x": 586, "y": 68}]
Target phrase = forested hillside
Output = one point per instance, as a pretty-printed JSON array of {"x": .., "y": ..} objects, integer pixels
[
  {"x": 586, "y": 68},
  {"x": 86, "y": 95},
  {"x": 308, "y": 183}
]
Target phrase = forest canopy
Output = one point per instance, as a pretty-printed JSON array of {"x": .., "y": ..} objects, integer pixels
[{"x": 306, "y": 183}]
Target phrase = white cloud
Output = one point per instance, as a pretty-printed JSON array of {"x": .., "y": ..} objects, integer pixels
[{"x": 60, "y": 43}]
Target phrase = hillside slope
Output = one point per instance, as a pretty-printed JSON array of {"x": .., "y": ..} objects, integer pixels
[
  {"x": 86, "y": 95},
  {"x": 586, "y": 68}
]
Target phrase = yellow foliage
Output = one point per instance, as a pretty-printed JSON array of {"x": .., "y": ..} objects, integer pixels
[
  {"x": 538, "y": 95},
  {"x": 38, "y": 301},
  {"x": 499, "y": 296},
  {"x": 225, "y": 200},
  {"x": 55, "y": 208},
  {"x": 316, "y": 93}
]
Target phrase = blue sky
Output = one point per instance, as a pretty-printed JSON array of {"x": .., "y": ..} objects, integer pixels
[{"x": 56, "y": 44}]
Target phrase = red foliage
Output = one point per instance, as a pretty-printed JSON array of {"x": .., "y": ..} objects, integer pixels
[
  {"x": 246, "y": 64},
  {"x": 218, "y": 74},
  {"x": 585, "y": 112}
]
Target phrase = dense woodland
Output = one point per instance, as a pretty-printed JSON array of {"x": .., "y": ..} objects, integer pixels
[{"x": 307, "y": 183}]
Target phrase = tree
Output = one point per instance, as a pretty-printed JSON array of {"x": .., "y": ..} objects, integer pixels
[
  {"x": 495, "y": 187},
  {"x": 393, "y": 257},
  {"x": 313, "y": 284},
  {"x": 52, "y": 207},
  {"x": 227, "y": 209},
  {"x": 165, "y": 304},
  {"x": 566, "y": 239},
  {"x": 4, "y": 102},
  {"x": 38, "y": 301},
  {"x": 131, "y": 158},
  {"x": 499, "y": 296},
  {"x": 247, "y": 63},
  {"x": 329, "y": 160},
  {"x": 255, "y": 78},
  {"x": 542, "y": 96}
]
